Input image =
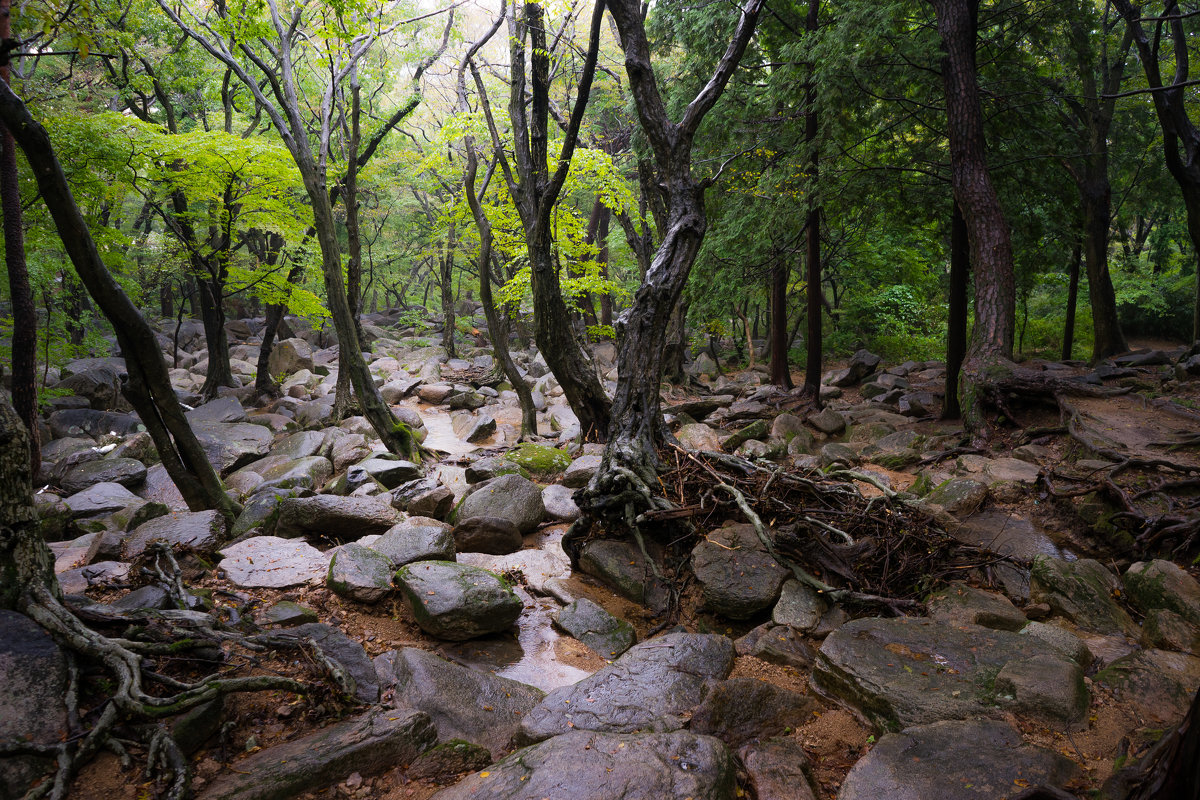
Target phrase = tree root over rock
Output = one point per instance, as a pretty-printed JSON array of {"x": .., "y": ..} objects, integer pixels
[
  {"x": 879, "y": 552},
  {"x": 139, "y": 662}
]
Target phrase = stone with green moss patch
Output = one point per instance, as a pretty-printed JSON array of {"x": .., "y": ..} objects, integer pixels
[
  {"x": 1163, "y": 584},
  {"x": 539, "y": 459},
  {"x": 457, "y": 602}
]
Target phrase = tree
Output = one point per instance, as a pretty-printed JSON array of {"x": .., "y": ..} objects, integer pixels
[
  {"x": 149, "y": 387},
  {"x": 975, "y": 194},
  {"x": 274, "y": 49},
  {"x": 535, "y": 191},
  {"x": 621, "y": 487},
  {"x": 1180, "y": 135}
]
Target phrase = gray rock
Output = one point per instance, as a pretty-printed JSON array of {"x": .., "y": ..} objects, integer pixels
[
  {"x": 511, "y": 497},
  {"x": 125, "y": 471},
  {"x": 31, "y": 697},
  {"x": 741, "y": 710},
  {"x": 954, "y": 760},
  {"x": 912, "y": 671},
  {"x": 581, "y": 471},
  {"x": 1163, "y": 584},
  {"x": 339, "y": 517},
  {"x": 290, "y": 356},
  {"x": 397, "y": 389},
  {"x": 269, "y": 562},
  {"x": 152, "y": 597},
  {"x": 777, "y": 644},
  {"x": 367, "y": 744},
  {"x": 1157, "y": 684},
  {"x": 559, "y": 503},
  {"x": 223, "y": 409},
  {"x": 620, "y": 565},
  {"x": 448, "y": 761},
  {"x": 601, "y": 631},
  {"x": 653, "y": 687},
  {"x": 473, "y": 427},
  {"x": 776, "y": 769},
  {"x": 960, "y": 604},
  {"x": 302, "y": 444},
  {"x": 492, "y": 467},
  {"x": 231, "y": 446},
  {"x": 390, "y": 472},
  {"x": 436, "y": 503},
  {"x": 799, "y": 606},
  {"x": 1165, "y": 630},
  {"x": 348, "y": 653},
  {"x": 79, "y": 422},
  {"x": 959, "y": 496},
  {"x": 827, "y": 421},
  {"x": 698, "y": 436},
  {"x": 101, "y": 498},
  {"x": 1062, "y": 641},
  {"x": 416, "y": 539},
  {"x": 360, "y": 573},
  {"x": 1046, "y": 686},
  {"x": 197, "y": 530},
  {"x": 479, "y": 707},
  {"x": 287, "y": 614},
  {"x": 1082, "y": 591},
  {"x": 98, "y": 380},
  {"x": 592, "y": 766},
  {"x": 491, "y": 535},
  {"x": 285, "y": 472},
  {"x": 259, "y": 511},
  {"x": 862, "y": 364},
  {"x": 457, "y": 602},
  {"x": 101, "y": 573},
  {"x": 738, "y": 576}
]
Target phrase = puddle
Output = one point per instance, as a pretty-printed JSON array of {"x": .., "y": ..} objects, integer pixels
[
  {"x": 538, "y": 655},
  {"x": 1009, "y": 535}
]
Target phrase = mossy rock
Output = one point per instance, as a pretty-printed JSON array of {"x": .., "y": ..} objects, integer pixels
[{"x": 539, "y": 459}]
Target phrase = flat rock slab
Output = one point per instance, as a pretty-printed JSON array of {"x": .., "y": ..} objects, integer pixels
[
  {"x": 478, "y": 707},
  {"x": 741, "y": 710},
  {"x": 269, "y": 562},
  {"x": 339, "y": 647},
  {"x": 330, "y": 515},
  {"x": 416, "y": 539},
  {"x": 655, "y": 686},
  {"x": 360, "y": 573},
  {"x": 962, "y": 604},
  {"x": 599, "y": 766},
  {"x": 101, "y": 498},
  {"x": 458, "y": 602},
  {"x": 913, "y": 671},
  {"x": 776, "y": 769},
  {"x": 198, "y": 530},
  {"x": 377, "y": 741},
  {"x": 232, "y": 445},
  {"x": 606, "y": 635},
  {"x": 1083, "y": 591},
  {"x": 954, "y": 760},
  {"x": 125, "y": 471},
  {"x": 539, "y": 567}
]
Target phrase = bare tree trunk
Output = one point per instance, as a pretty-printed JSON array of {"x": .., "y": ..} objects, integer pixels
[
  {"x": 991, "y": 247},
  {"x": 956, "y": 320},
  {"x": 446, "y": 264},
  {"x": 814, "y": 343},
  {"x": 24, "y": 335},
  {"x": 1072, "y": 302},
  {"x": 149, "y": 388},
  {"x": 781, "y": 374},
  {"x": 25, "y": 560}
]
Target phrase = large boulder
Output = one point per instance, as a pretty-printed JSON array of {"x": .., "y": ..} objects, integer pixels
[
  {"x": 1163, "y": 584},
  {"x": 290, "y": 356},
  {"x": 360, "y": 573},
  {"x": 101, "y": 498},
  {"x": 511, "y": 497},
  {"x": 620, "y": 565},
  {"x": 862, "y": 364},
  {"x": 737, "y": 575},
  {"x": 458, "y": 602},
  {"x": 1157, "y": 684},
  {"x": 344, "y": 651},
  {"x": 492, "y": 535},
  {"x": 98, "y": 380},
  {"x": 1083, "y": 591},
  {"x": 195, "y": 530},
  {"x": 592, "y": 766},
  {"x": 954, "y": 760},
  {"x": 230, "y": 446},
  {"x": 370, "y": 743},
  {"x": 391, "y": 472},
  {"x": 479, "y": 707},
  {"x": 222, "y": 409},
  {"x": 31, "y": 698},
  {"x": 269, "y": 562},
  {"x": 913, "y": 671},
  {"x": 741, "y": 710},
  {"x": 125, "y": 471},
  {"x": 416, "y": 539},
  {"x": 337, "y": 517},
  {"x": 655, "y": 686},
  {"x": 79, "y": 422}
]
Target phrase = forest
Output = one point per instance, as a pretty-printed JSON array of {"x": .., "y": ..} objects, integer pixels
[{"x": 497, "y": 398}]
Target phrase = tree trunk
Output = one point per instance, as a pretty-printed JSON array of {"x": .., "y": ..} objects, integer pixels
[
  {"x": 956, "y": 320},
  {"x": 606, "y": 304},
  {"x": 24, "y": 335},
  {"x": 212, "y": 312},
  {"x": 781, "y": 373},
  {"x": 1072, "y": 302},
  {"x": 263, "y": 382},
  {"x": 446, "y": 265},
  {"x": 991, "y": 247},
  {"x": 1096, "y": 197},
  {"x": 676, "y": 344},
  {"x": 149, "y": 388},
  {"x": 25, "y": 560},
  {"x": 814, "y": 343}
]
